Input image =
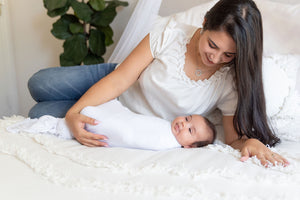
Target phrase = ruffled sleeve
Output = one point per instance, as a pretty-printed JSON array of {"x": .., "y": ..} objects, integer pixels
[
  {"x": 228, "y": 101},
  {"x": 157, "y": 35}
]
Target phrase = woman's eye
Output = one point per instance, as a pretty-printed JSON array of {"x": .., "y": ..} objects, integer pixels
[
  {"x": 186, "y": 119},
  {"x": 211, "y": 46},
  {"x": 228, "y": 55}
]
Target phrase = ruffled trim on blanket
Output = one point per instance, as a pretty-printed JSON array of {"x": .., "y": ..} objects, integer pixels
[{"x": 89, "y": 167}]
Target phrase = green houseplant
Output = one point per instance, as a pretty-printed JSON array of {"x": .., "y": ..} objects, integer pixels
[{"x": 85, "y": 27}]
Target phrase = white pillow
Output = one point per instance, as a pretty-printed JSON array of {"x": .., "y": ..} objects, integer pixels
[
  {"x": 279, "y": 79},
  {"x": 281, "y": 26},
  {"x": 276, "y": 85},
  {"x": 195, "y": 15},
  {"x": 282, "y": 98}
]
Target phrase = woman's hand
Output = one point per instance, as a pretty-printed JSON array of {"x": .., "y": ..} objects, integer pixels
[
  {"x": 76, "y": 123},
  {"x": 253, "y": 147}
]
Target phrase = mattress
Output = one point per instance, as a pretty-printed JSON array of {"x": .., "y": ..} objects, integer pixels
[{"x": 37, "y": 165}]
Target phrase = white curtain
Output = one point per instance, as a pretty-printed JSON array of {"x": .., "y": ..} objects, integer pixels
[
  {"x": 8, "y": 82},
  {"x": 139, "y": 25}
]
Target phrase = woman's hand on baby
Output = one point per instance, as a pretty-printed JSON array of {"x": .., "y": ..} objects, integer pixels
[
  {"x": 76, "y": 123},
  {"x": 253, "y": 147}
]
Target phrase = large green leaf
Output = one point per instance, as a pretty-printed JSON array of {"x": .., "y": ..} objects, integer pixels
[
  {"x": 58, "y": 12},
  {"x": 54, "y": 4},
  {"x": 82, "y": 11},
  {"x": 76, "y": 28},
  {"x": 117, "y": 3},
  {"x": 65, "y": 62},
  {"x": 105, "y": 17},
  {"x": 75, "y": 48},
  {"x": 108, "y": 32},
  {"x": 60, "y": 28},
  {"x": 92, "y": 59},
  {"x": 97, "y": 42},
  {"x": 97, "y": 5}
]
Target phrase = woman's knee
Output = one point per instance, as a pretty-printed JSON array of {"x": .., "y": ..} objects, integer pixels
[
  {"x": 36, "y": 83},
  {"x": 66, "y": 83}
]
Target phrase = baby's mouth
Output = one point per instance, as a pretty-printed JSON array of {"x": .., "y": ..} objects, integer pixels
[{"x": 209, "y": 60}]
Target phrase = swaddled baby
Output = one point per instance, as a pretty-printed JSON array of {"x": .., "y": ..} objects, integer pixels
[{"x": 125, "y": 128}]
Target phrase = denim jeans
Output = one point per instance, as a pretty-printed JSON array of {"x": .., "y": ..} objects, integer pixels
[{"x": 56, "y": 89}]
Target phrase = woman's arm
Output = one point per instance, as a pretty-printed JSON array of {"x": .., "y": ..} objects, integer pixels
[
  {"x": 110, "y": 87},
  {"x": 250, "y": 147}
]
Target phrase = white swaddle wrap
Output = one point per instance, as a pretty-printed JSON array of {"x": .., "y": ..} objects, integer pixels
[
  {"x": 122, "y": 127},
  {"x": 125, "y": 128}
]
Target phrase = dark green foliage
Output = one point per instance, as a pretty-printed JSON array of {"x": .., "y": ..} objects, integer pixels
[{"x": 85, "y": 29}]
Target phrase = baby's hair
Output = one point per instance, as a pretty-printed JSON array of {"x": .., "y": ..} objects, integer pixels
[{"x": 212, "y": 131}]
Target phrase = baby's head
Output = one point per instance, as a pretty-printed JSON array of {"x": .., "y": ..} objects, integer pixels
[{"x": 193, "y": 131}]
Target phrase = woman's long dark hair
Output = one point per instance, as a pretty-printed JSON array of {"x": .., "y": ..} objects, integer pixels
[{"x": 242, "y": 20}]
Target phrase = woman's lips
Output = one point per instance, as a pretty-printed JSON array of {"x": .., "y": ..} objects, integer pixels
[{"x": 209, "y": 59}]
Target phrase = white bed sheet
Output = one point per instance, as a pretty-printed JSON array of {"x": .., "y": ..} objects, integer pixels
[{"x": 46, "y": 167}]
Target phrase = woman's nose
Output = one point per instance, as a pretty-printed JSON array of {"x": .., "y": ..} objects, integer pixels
[{"x": 216, "y": 58}]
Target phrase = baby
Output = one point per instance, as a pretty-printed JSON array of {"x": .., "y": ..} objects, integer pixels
[{"x": 125, "y": 128}]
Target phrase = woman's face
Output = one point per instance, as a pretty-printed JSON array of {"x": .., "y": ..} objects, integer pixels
[{"x": 216, "y": 48}]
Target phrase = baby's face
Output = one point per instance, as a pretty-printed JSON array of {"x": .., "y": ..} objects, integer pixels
[{"x": 190, "y": 129}]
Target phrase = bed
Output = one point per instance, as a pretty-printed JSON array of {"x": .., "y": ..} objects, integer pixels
[{"x": 36, "y": 166}]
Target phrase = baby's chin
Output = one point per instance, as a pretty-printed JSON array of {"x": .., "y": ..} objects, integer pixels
[{"x": 175, "y": 135}]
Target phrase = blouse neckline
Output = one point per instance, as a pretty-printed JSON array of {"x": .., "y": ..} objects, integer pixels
[{"x": 180, "y": 67}]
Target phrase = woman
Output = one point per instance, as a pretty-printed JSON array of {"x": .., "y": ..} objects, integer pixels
[{"x": 178, "y": 69}]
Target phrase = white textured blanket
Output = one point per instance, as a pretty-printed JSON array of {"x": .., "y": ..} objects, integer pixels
[{"x": 212, "y": 172}]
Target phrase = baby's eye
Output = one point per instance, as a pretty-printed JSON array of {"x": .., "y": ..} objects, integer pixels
[
  {"x": 190, "y": 130},
  {"x": 189, "y": 118}
]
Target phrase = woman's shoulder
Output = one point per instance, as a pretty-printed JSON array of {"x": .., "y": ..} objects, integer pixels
[
  {"x": 169, "y": 26},
  {"x": 169, "y": 35}
]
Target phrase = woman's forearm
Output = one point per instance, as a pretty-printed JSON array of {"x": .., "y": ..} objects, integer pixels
[
  {"x": 104, "y": 90},
  {"x": 118, "y": 81},
  {"x": 238, "y": 143}
]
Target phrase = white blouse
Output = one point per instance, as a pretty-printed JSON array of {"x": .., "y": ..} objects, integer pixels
[{"x": 164, "y": 90}]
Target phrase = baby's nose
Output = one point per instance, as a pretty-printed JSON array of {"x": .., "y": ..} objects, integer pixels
[
  {"x": 185, "y": 124},
  {"x": 182, "y": 124}
]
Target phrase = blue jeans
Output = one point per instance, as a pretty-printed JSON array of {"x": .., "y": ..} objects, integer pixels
[{"x": 56, "y": 89}]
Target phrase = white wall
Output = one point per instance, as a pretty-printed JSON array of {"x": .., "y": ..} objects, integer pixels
[{"x": 9, "y": 100}]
